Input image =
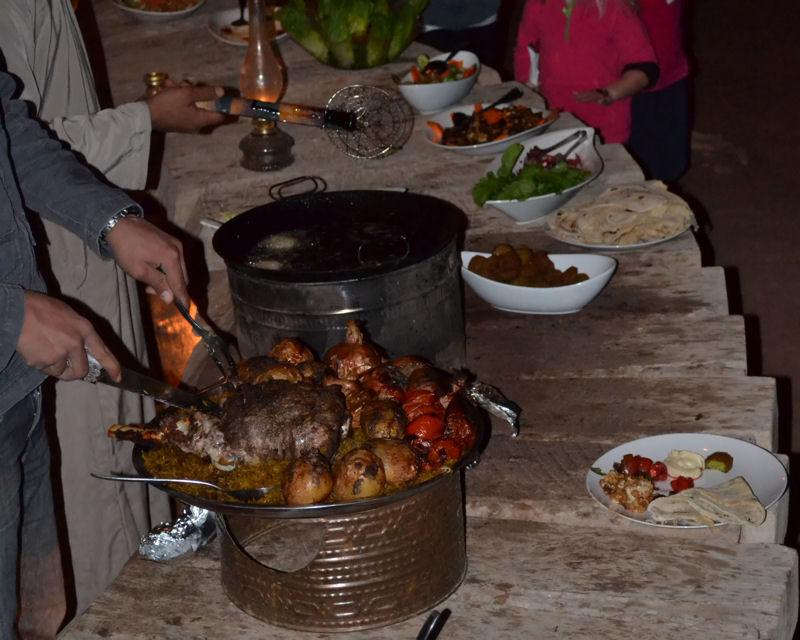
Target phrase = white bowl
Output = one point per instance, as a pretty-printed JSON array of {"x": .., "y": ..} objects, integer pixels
[
  {"x": 537, "y": 207},
  {"x": 445, "y": 120},
  {"x": 155, "y": 16},
  {"x": 219, "y": 24},
  {"x": 435, "y": 96},
  {"x": 544, "y": 300}
]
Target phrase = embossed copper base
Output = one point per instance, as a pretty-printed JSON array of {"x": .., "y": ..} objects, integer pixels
[{"x": 343, "y": 573}]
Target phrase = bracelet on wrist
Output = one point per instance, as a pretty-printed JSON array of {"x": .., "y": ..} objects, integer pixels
[{"x": 606, "y": 98}]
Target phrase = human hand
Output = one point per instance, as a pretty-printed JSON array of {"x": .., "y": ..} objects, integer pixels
[
  {"x": 54, "y": 339},
  {"x": 151, "y": 256},
  {"x": 598, "y": 96},
  {"x": 173, "y": 107}
]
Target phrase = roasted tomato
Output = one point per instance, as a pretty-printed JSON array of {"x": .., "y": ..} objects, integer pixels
[
  {"x": 658, "y": 471},
  {"x": 458, "y": 425},
  {"x": 427, "y": 427},
  {"x": 632, "y": 465},
  {"x": 680, "y": 483}
]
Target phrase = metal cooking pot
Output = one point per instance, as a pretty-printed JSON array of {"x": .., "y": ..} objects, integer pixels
[{"x": 305, "y": 265}]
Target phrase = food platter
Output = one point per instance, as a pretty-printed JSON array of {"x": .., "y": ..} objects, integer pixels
[
  {"x": 612, "y": 247},
  {"x": 765, "y": 474},
  {"x": 443, "y": 118},
  {"x": 221, "y": 27},
  {"x": 313, "y": 510},
  {"x": 129, "y": 7}
]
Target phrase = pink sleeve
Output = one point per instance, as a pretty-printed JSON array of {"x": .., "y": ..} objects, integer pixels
[
  {"x": 633, "y": 43},
  {"x": 526, "y": 35}
]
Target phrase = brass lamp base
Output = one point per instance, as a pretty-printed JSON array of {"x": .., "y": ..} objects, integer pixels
[{"x": 266, "y": 148}]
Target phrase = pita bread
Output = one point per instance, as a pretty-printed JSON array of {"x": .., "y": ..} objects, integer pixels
[
  {"x": 624, "y": 215},
  {"x": 732, "y": 502}
]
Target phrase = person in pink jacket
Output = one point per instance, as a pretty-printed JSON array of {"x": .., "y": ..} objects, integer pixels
[
  {"x": 660, "y": 130},
  {"x": 593, "y": 56}
]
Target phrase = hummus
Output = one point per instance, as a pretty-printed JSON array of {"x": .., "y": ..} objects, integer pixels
[{"x": 684, "y": 463}]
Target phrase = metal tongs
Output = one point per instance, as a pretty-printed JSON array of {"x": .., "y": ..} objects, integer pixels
[
  {"x": 536, "y": 154},
  {"x": 217, "y": 347}
]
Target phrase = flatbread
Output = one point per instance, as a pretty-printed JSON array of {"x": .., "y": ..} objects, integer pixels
[
  {"x": 732, "y": 502},
  {"x": 624, "y": 215}
]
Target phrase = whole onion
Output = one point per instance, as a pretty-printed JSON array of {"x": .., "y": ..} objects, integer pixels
[{"x": 354, "y": 356}]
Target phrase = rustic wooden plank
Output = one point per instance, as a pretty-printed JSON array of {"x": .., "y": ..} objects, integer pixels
[
  {"x": 588, "y": 345},
  {"x": 611, "y": 412},
  {"x": 563, "y": 582}
]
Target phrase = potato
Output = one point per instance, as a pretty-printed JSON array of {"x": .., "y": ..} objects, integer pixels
[
  {"x": 383, "y": 418},
  {"x": 307, "y": 480},
  {"x": 359, "y": 474},
  {"x": 400, "y": 463}
]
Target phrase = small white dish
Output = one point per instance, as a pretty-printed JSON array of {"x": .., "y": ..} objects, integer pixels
[
  {"x": 221, "y": 27},
  {"x": 765, "y": 474},
  {"x": 444, "y": 119},
  {"x": 435, "y": 96},
  {"x": 155, "y": 16},
  {"x": 537, "y": 207},
  {"x": 544, "y": 300}
]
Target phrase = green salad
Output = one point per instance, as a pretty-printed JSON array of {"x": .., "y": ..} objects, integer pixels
[{"x": 532, "y": 180}]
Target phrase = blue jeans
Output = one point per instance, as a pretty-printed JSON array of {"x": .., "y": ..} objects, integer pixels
[{"x": 30, "y": 562}]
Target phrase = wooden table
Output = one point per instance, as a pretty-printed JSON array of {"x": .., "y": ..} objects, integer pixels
[{"x": 657, "y": 352}]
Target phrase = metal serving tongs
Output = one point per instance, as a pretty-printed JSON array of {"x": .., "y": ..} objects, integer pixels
[
  {"x": 217, "y": 348},
  {"x": 536, "y": 154}
]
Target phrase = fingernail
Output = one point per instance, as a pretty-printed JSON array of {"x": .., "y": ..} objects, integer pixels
[
  {"x": 219, "y": 91},
  {"x": 166, "y": 296}
]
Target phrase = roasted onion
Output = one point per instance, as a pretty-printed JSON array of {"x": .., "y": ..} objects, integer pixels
[
  {"x": 400, "y": 464},
  {"x": 354, "y": 356}
]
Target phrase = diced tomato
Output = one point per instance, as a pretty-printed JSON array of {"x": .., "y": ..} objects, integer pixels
[
  {"x": 469, "y": 71},
  {"x": 658, "y": 471},
  {"x": 415, "y": 74},
  {"x": 632, "y": 465},
  {"x": 680, "y": 483},
  {"x": 492, "y": 116}
]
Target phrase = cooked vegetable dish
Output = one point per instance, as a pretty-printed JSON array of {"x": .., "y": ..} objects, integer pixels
[{"x": 488, "y": 125}]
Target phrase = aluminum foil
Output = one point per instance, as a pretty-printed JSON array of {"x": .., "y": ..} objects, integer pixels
[
  {"x": 170, "y": 540},
  {"x": 491, "y": 399}
]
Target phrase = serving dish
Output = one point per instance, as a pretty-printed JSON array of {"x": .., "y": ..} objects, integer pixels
[
  {"x": 544, "y": 300},
  {"x": 231, "y": 507},
  {"x": 444, "y": 119},
  {"x": 531, "y": 209},
  {"x": 221, "y": 27},
  {"x": 765, "y": 474},
  {"x": 130, "y": 7},
  {"x": 435, "y": 96}
]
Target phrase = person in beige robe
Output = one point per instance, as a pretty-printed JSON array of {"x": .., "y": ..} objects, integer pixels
[{"x": 42, "y": 46}]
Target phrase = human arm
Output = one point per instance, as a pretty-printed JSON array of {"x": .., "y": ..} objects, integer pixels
[{"x": 631, "y": 82}]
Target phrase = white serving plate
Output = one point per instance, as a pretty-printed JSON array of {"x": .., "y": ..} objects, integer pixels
[
  {"x": 156, "y": 16},
  {"x": 544, "y": 300},
  {"x": 444, "y": 119},
  {"x": 219, "y": 24},
  {"x": 765, "y": 474},
  {"x": 531, "y": 209},
  {"x": 612, "y": 247},
  {"x": 435, "y": 96}
]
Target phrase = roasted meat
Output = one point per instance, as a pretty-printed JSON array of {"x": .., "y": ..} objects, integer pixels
[{"x": 274, "y": 420}]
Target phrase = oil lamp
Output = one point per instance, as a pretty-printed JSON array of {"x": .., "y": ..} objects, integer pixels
[{"x": 266, "y": 147}]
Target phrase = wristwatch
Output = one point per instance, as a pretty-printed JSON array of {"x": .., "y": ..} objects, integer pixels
[{"x": 132, "y": 210}]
